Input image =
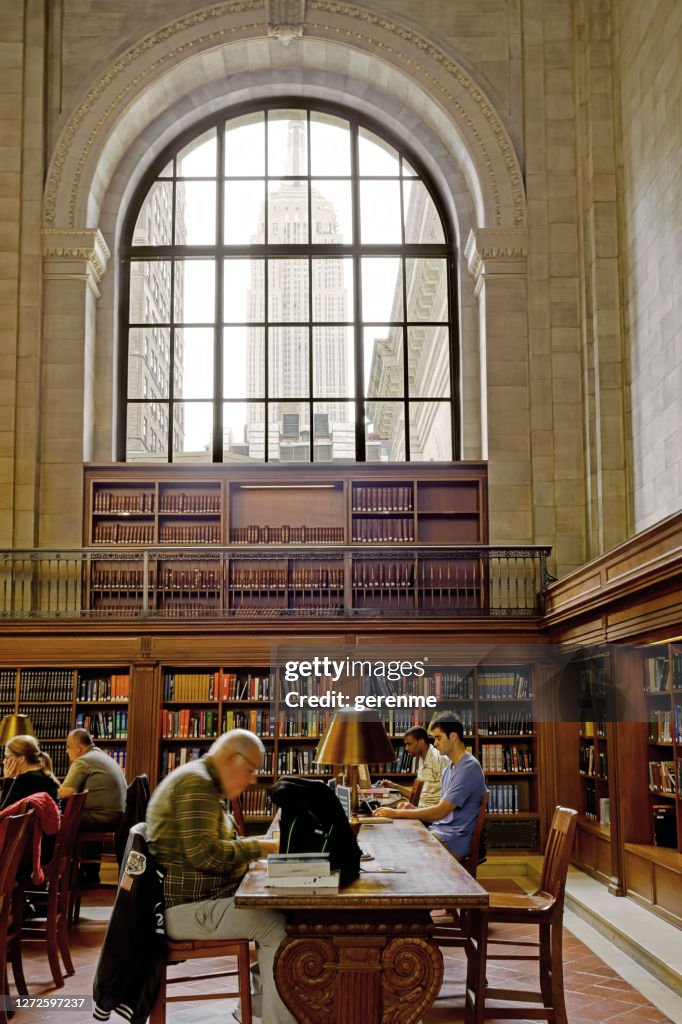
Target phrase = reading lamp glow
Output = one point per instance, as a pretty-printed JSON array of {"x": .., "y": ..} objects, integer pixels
[
  {"x": 353, "y": 737},
  {"x": 15, "y": 725}
]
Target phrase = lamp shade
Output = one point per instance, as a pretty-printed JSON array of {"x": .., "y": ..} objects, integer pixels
[
  {"x": 15, "y": 725},
  {"x": 354, "y": 737}
]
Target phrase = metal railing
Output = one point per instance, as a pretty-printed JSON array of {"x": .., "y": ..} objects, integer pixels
[{"x": 257, "y": 582}]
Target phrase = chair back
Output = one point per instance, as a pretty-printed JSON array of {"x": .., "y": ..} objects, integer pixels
[
  {"x": 416, "y": 791},
  {"x": 60, "y": 865},
  {"x": 15, "y": 832},
  {"x": 558, "y": 852},
  {"x": 238, "y": 815},
  {"x": 471, "y": 861}
]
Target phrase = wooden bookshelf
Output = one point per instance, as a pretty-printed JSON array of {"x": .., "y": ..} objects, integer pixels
[
  {"x": 273, "y": 510},
  {"x": 58, "y": 699}
]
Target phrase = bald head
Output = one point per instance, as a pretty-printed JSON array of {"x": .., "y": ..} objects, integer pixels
[{"x": 237, "y": 756}]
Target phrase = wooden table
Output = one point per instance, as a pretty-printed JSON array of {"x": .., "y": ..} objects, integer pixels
[{"x": 364, "y": 955}]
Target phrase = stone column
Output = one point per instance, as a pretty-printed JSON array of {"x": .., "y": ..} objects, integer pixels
[
  {"x": 74, "y": 263},
  {"x": 497, "y": 259}
]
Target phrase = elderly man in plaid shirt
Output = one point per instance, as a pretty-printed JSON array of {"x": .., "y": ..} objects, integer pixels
[{"x": 193, "y": 837}]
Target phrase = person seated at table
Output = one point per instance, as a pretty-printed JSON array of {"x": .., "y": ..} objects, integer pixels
[
  {"x": 430, "y": 765},
  {"x": 27, "y": 770},
  {"x": 453, "y": 818},
  {"x": 193, "y": 837},
  {"x": 93, "y": 769}
]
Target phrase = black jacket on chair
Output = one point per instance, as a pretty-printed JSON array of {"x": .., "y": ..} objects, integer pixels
[
  {"x": 137, "y": 798},
  {"x": 132, "y": 958}
]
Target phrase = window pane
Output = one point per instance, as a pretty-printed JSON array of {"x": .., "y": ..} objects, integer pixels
[
  {"x": 430, "y": 432},
  {"x": 408, "y": 170},
  {"x": 195, "y": 291},
  {"x": 333, "y": 431},
  {"x": 288, "y": 290},
  {"x": 245, "y": 146},
  {"x": 287, "y": 142},
  {"x": 197, "y": 363},
  {"x": 427, "y": 289},
  {"x": 194, "y": 432},
  {"x": 242, "y": 431},
  {"x": 333, "y": 362},
  {"x": 385, "y": 431},
  {"x": 153, "y": 224},
  {"x": 195, "y": 213},
  {"x": 380, "y": 212},
  {"x": 329, "y": 145},
  {"x": 332, "y": 290},
  {"x": 289, "y": 433},
  {"x": 288, "y": 212},
  {"x": 332, "y": 216},
  {"x": 147, "y": 432},
  {"x": 198, "y": 158},
  {"x": 376, "y": 157},
  {"x": 148, "y": 362},
  {"x": 382, "y": 289},
  {"x": 244, "y": 291},
  {"x": 288, "y": 375},
  {"x": 429, "y": 362},
  {"x": 244, "y": 212},
  {"x": 149, "y": 292},
  {"x": 422, "y": 221},
  {"x": 383, "y": 361},
  {"x": 243, "y": 362}
]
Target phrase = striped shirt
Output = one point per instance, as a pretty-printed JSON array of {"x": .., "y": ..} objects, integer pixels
[{"x": 193, "y": 837}]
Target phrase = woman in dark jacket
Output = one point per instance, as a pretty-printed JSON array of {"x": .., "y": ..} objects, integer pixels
[{"x": 27, "y": 770}]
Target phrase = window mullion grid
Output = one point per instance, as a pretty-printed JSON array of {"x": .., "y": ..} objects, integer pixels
[
  {"x": 266, "y": 299},
  {"x": 358, "y": 342},
  {"x": 310, "y": 294},
  {"x": 171, "y": 323},
  {"x": 403, "y": 270},
  {"x": 219, "y": 299},
  {"x": 454, "y": 334}
]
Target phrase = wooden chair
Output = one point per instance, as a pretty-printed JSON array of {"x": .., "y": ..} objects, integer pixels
[
  {"x": 200, "y": 950},
  {"x": 15, "y": 834},
  {"x": 106, "y": 839},
  {"x": 452, "y": 928},
  {"x": 52, "y": 901},
  {"x": 544, "y": 908}
]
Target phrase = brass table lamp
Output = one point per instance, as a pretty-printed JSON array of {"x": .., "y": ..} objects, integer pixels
[
  {"x": 15, "y": 725},
  {"x": 354, "y": 737}
]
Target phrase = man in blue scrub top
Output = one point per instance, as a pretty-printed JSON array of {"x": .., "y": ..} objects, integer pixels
[{"x": 453, "y": 818}]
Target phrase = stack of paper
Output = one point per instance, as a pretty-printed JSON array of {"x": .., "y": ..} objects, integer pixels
[{"x": 301, "y": 870}]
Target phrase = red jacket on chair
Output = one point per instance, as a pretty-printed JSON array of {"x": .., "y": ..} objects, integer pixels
[{"x": 47, "y": 819}]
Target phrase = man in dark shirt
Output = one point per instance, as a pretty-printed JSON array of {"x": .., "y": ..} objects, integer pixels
[{"x": 95, "y": 771}]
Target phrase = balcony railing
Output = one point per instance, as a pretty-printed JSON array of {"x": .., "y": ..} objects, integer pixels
[{"x": 266, "y": 582}]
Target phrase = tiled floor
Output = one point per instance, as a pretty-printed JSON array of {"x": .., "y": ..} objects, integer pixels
[{"x": 594, "y": 992}]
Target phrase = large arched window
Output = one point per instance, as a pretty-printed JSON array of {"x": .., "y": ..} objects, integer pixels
[{"x": 288, "y": 295}]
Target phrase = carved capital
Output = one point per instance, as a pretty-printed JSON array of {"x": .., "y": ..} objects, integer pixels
[
  {"x": 496, "y": 251},
  {"x": 285, "y": 19},
  {"x": 75, "y": 254}
]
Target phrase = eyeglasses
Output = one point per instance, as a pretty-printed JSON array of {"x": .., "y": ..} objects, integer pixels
[{"x": 252, "y": 768}]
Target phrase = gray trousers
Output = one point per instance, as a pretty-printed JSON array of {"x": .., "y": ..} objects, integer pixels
[{"x": 220, "y": 919}]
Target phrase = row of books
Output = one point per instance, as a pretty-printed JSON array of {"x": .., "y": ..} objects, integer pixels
[
  {"x": 8, "y": 685},
  {"x": 46, "y": 684},
  {"x": 189, "y": 579},
  {"x": 103, "y": 688},
  {"x": 590, "y": 763},
  {"x": 174, "y": 501},
  {"x": 442, "y": 685},
  {"x": 111, "y": 725},
  {"x": 188, "y": 723},
  {"x": 287, "y": 534},
  {"x": 124, "y": 533},
  {"x": 203, "y": 533},
  {"x": 375, "y": 575},
  {"x": 657, "y": 675},
  {"x": 590, "y": 727},
  {"x": 173, "y": 757},
  {"x": 505, "y": 723},
  {"x": 201, "y": 686},
  {"x": 391, "y": 530},
  {"x": 302, "y": 723},
  {"x": 117, "y": 502},
  {"x": 317, "y": 579},
  {"x": 256, "y": 802},
  {"x": 48, "y": 720},
  {"x": 661, "y": 725},
  {"x": 662, "y": 776},
  {"x": 58, "y": 756},
  {"x": 300, "y": 762},
  {"x": 121, "y": 579},
  {"x": 397, "y": 498},
  {"x": 119, "y": 756},
  {"x": 256, "y": 720},
  {"x": 504, "y": 685},
  {"x": 504, "y": 798},
  {"x": 504, "y": 757}
]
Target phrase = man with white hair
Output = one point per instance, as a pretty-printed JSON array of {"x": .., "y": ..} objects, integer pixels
[{"x": 193, "y": 837}]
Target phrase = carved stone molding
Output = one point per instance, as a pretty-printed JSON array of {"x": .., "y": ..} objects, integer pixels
[
  {"x": 75, "y": 254},
  {"x": 285, "y": 19},
  {"x": 495, "y": 251}
]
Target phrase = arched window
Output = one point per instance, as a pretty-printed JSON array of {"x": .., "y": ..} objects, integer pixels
[{"x": 288, "y": 295}]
